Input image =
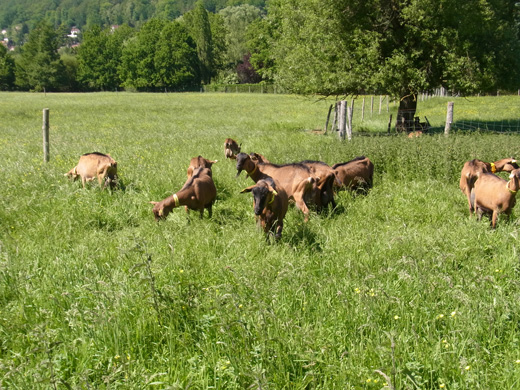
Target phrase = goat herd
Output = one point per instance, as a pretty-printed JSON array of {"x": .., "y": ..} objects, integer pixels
[{"x": 307, "y": 184}]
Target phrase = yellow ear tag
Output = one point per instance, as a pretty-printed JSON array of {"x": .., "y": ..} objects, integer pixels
[
  {"x": 160, "y": 212},
  {"x": 175, "y": 200},
  {"x": 493, "y": 168}
]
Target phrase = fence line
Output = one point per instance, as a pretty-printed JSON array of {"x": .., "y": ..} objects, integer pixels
[{"x": 429, "y": 118}]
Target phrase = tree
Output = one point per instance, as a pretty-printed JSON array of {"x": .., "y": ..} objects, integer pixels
[
  {"x": 161, "y": 55},
  {"x": 246, "y": 72},
  {"x": 237, "y": 19},
  {"x": 198, "y": 25},
  {"x": 7, "y": 70},
  {"x": 398, "y": 47},
  {"x": 39, "y": 67},
  {"x": 259, "y": 35},
  {"x": 137, "y": 68},
  {"x": 70, "y": 63},
  {"x": 176, "y": 59},
  {"x": 99, "y": 57}
]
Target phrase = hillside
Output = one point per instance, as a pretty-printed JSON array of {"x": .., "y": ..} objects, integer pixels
[{"x": 24, "y": 14}]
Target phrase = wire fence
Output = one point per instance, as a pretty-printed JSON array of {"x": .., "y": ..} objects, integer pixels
[{"x": 504, "y": 126}]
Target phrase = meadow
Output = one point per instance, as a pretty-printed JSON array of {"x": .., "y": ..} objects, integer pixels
[{"x": 397, "y": 289}]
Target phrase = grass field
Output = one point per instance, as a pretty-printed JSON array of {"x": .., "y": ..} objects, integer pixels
[{"x": 396, "y": 289}]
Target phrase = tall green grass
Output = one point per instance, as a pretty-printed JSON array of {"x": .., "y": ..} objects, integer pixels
[{"x": 397, "y": 288}]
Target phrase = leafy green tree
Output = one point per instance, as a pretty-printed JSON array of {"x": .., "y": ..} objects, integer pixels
[
  {"x": 176, "y": 59},
  {"x": 138, "y": 69},
  {"x": 218, "y": 39},
  {"x": 237, "y": 20},
  {"x": 7, "y": 70},
  {"x": 39, "y": 67},
  {"x": 259, "y": 35},
  {"x": 70, "y": 79},
  {"x": 161, "y": 55},
  {"x": 100, "y": 56},
  {"x": 168, "y": 9},
  {"x": 399, "y": 47},
  {"x": 197, "y": 22}
]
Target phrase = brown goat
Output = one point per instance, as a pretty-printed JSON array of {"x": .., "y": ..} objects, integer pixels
[
  {"x": 472, "y": 168},
  {"x": 326, "y": 179},
  {"x": 270, "y": 203},
  {"x": 354, "y": 175},
  {"x": 199, "y": 162},
  {"x": 492, "y": 195},
  {"x": 296, "y": 179},
  {"x": 95, "y": 165},
  {"x": 198, "y": 193},
  {"x": 231, "y": 148}
]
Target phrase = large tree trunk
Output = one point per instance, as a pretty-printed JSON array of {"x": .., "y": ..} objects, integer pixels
[{"x": 406, "y": 113}]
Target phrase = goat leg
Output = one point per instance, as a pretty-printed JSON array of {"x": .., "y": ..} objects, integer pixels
[
  {"x": 300, "y": 203},
  {"x": 494, "y": 219},
  {"x": 279, "y": 228}
]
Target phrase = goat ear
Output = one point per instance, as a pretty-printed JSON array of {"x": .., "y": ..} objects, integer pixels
[
  {"x": 154, "y": 203},
  {"x": 271, "y": 189},
  {"x": 248, "y": 189}
]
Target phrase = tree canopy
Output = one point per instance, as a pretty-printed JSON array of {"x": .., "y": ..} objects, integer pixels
[
  {"x": 40, "y": 67},
  {"x": 398, "y": 47},
  {"x": 161, "y": 55},
  {"x": 99, "y": 57},
  {"x": 7, "y": 70}
]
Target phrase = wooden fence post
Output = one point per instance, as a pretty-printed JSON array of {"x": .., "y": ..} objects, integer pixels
[
  {"x": 371, "y": 105},
  {"x": 380, "y": 103},
  {"x": 45, "y": 129},
  {"x": 363, "y": 110},
  {"x": 350, "y": 110},
  {"x": 335, "y": 118},
  {"x": 342, "y": 119},
  {"x": 327, "y": 122},
  {"x": 449, "y": 118}
]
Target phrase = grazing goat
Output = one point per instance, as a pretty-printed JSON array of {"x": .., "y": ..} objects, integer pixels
[
  {"x": 198, "y": 193},
  {"x": 472, "y": 168},
  {"x": 354, "y": 175},
  {"x": 270, "y": 205},
  {"x": 492, "y": 195},
  {"x": 231, "y": 148},
  {"x": 92, "y": 165},
  {"x": 326, "y": 180},
  {"x": 199, "y": 162},
  {"x": 296, "y": 179}
]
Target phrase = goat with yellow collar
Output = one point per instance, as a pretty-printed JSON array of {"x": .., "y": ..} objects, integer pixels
[
  {"x": 473, "y": 168},
  {"x": 198, "y": 193},
  {"x": 270, "y": 203}
]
